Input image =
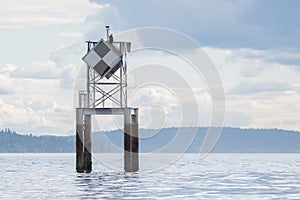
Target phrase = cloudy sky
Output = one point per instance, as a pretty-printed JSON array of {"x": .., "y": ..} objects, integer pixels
[{"x": 254, "y": 44}]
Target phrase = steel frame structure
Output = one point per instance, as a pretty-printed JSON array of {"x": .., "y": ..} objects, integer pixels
[
  {"x": 93, "y": 101},
  {"x": 100, "y": 91}
]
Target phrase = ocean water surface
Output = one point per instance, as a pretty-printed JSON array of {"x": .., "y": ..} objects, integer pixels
[{"x": 218, "y": 176}]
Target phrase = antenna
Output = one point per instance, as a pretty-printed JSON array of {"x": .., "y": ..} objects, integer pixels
[{"x": 107, "y": 32}]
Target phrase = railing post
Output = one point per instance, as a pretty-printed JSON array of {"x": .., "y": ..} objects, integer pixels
[{"x": 131, "y": 140}]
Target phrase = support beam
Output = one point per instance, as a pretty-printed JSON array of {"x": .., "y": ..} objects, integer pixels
[
  {"x": 87, "y": 144},
  {"x": 131, "y": 140},
  {"x": 79, "y": 141},
  {"x": 104, "y": 111},
  {"x": 84, "y": 137}
]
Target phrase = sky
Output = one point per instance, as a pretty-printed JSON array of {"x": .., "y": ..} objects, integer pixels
[{"x": 254, "y": 45}]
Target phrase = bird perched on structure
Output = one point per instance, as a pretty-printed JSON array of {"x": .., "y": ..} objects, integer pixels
[{"x": 111, "y": 38}]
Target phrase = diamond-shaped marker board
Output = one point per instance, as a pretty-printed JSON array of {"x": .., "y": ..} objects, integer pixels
[{"x": 104, "y": 58}]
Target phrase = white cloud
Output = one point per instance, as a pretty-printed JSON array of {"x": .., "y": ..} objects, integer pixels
[
  {"x": 237, "y": 119},
  {"x": 7, "y": 85},
  {"x": 36, "y": 114},
  {"x": 42, "y": 92},
  {"x": 16, "y": 13},
  {"x": 262, "y": 86},
  {"x": 36, "y": 103},
  {"x": 248, "y": 87},
  {"x": 67, "y": 54},
  {"x": 60, "y": 67},
  {"x": 158, "y": 106},
  {"x": 238, "y": 65},
  {"x": 109, "y": 15},
  {"x": 71, "y": 34},
  {"x": 37, "y": 70},
  {"x": 37, "y": 97},
  {"x": 254, "y": 97},
  {"x": 260, "y": 90},
  {"x": 263, "y": 110},
  {"x": 68, "y": 75}
]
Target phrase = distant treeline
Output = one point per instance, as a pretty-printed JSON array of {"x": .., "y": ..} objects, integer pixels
[
  {"x": 11, "y": 142},
  {"x": 232, "y": 140}
]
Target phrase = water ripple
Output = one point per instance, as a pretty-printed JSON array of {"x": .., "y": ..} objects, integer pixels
[{"x": 219, "y": 176}]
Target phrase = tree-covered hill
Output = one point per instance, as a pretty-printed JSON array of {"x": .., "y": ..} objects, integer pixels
[
  {"x": 11, "y": 142},
  {"x": 232, "y": 140}
]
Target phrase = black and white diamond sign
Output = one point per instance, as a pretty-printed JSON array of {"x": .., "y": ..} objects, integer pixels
[{"x": 103, "y": 58}]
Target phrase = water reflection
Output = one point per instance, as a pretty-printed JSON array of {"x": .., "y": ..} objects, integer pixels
[
  {"x": 221, "y": 176},
  {"x": 109, "y": 185}
]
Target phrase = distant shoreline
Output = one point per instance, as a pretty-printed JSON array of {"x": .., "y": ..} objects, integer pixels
[{"x": 232, "y": 140}]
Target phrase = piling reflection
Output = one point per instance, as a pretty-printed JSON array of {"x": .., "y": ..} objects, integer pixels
[{"x": 108, "y": 185}]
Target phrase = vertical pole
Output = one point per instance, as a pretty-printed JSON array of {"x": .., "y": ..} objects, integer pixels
[
  {"x": 87, "y": 144},
  {"x": 121, "y": 87},
  {"x": 79, "y": 141},
  {"x": 88, "y": 77},
  {"x": 125, "y": 86},
  {"x": 94, "y": 96},
  {"x": 131, "y": 140},
  {"x": 107, "y": 32}
]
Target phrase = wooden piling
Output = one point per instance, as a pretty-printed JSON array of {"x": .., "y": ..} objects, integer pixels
[
  {"x": 84, "y": 139},
  {"x": 131, "y": 140},
  {"x": 87, "y": 144},
  {"x": 79, "y": 141}
]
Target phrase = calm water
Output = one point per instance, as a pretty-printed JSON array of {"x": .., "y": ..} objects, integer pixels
[{"x": 223, "y": 176}]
